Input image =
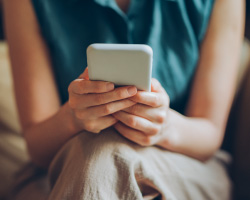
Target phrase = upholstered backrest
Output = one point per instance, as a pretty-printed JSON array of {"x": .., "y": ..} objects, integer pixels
[{"x": 12, "y": 146}]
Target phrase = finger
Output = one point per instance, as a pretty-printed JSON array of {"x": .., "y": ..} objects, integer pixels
[
  {"x": 152, "y": 114},
  {"x": 156, "y": 86},
  {"x": 103, "y": 110},
  {"x": 85, "y": 74},
  {"x": 107, "y": 121},
  {"x": 137, "y": 123},
  {"x": 152, "y": 99},
  {"x": 104, "y": 98},
  {"x": 95, "y": 126},
  {"x": 81, "y": 86},
  {"x": 134, "y": 135}
]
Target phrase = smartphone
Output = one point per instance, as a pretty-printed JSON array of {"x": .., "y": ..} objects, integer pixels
[{"x": 121, "y": 64}]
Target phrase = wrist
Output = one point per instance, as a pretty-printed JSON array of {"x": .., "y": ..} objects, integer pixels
[
  {"x": 170, "y": 137},
  {"x": 69, "y": 119}
]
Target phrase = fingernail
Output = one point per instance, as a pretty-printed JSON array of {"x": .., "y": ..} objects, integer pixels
[
  {"x": 110, "y": 86},
  {"x": 132, "y": 90}
]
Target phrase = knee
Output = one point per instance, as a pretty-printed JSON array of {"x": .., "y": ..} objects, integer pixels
[
  {"x": 93, "y": 157},
  {"x": 107, "y": 142},
  {"x": 93, "y": 163},
  {"x": 90, "y": 150}
]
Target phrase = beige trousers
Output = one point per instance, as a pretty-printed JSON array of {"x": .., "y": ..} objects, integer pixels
[{"x": 109, "y": 167}]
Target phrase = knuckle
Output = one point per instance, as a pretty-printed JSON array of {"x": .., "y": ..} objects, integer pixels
[
  {"x": 161, "y": 117},
  {"x": 79, "y": 114},
  {"x": 155, "y": 130},
  {"x": 76, "y": 86},
  {"x": 108, "y": 109},
  {"x": 134, "y": 109},
  {"x": 120, "y": 94},
  {"x": 139, "y": 97},
  {"x": 147, "y": 141},
  {"x": 155, "y": 101},
  {"x": 72, "y": 103},
  {"x": 132, "y": 121},
  {"x": 90, "y": 126}
]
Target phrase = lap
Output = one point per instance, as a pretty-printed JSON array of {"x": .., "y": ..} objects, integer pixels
[
  {"x": 115, "y": 162},
  {"x": 171, "y": 174}
]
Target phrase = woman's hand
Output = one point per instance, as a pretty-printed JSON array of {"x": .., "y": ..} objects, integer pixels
[
  {"x": 145, "y": 122},
  {"x": 93, "y": 102}
]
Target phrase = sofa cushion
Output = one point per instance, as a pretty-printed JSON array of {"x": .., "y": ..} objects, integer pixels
[{"x": 13, "y": 152}]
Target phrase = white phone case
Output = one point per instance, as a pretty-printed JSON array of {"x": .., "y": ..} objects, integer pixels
[{"x": 122, "y": 64}]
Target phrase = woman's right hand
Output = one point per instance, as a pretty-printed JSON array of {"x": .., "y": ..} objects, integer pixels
[{"x": 93, "y": 102}]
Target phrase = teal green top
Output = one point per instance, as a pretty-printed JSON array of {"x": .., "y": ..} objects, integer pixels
[{"x": 173, "y": 28}]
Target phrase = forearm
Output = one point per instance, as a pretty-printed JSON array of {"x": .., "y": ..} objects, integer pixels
[
  {"x": 47, "y": 137},
  {"x": 195, "y": 137},
  {"x": 201, "y": 134}
]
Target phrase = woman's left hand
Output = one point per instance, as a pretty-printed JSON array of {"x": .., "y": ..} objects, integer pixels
[{"x": 145, "y": 122}]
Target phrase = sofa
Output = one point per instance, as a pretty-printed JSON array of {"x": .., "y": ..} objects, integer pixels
[{"x": 13, "y": 153}]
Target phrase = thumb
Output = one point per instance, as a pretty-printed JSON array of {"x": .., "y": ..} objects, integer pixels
[
  {"x": 85, "y": 74},
  {"x": 155, "y": 85}
]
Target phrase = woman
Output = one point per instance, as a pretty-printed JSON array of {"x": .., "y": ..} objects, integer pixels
[{"x": 150, "y": 144}]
